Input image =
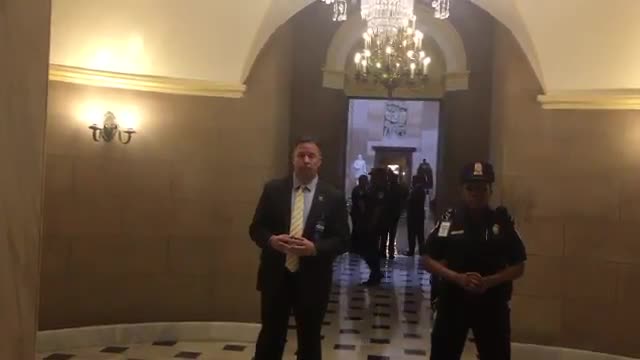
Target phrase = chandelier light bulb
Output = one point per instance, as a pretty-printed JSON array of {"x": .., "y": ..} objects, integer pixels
[
  {"x": 357, "y": 58},
  {"x": 422, "y": 54},
  {"x": 378, "y": 65},
  {"x": 410, "y": 54},
  {"x": 389, "y": 50},
  {"x": 425, "y": 64}
]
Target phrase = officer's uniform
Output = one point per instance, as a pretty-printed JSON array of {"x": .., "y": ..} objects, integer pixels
[
  {"x": 485, "y": 247},
  {"x": 397, "y": 194},
  {"x": 376, "y": 207},
  {"x": 415, "y": 218},
  {"x": 358, "y": 204}
]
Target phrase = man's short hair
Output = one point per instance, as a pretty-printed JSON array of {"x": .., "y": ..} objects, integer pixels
[{"x": 306, "y": 140}]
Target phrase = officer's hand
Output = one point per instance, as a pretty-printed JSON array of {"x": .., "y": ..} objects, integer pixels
[
  {"x": 464, "y": 281},
  {"x": 478, "y": 283},
  {"x": 280, "y": 242},
  {"x": 300, "y": 246}
]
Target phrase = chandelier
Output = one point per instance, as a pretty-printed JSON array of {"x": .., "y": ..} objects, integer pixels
[
  {"x": 442, "y": 8},
  {"x": 393, "y": 57},
  {"x": 339, "y": 9},
  {"x": 385, "y": 17}
]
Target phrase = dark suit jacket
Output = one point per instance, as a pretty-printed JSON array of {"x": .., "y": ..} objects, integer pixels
[{"x": 273, "y": 217}]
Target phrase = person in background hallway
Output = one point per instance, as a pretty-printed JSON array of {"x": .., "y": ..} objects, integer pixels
[
  {"x": 477, "y": 254},
  {"x": 425, "y": 170},
  {"x": 416, "y": 214},
  {"x": 376, "y": 209},
  {"x": 358, "y": 203},
  {"x": 397, "y": 201},
  {"x": 300, "y": 225}
]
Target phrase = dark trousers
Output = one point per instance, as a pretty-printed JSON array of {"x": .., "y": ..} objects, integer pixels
[
  {"x": 415, "y": 230},
  {"x": 371, "y": 252},
  {"x": 357, "y": 233},
  {"x": 434, "y": 282},
  {"x": 308, "y": 310},
  {"x": 491, "y": 327},
  {"x": 388, "y": 241}
]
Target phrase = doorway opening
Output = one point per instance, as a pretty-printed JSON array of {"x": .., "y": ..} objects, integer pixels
[{"x": 396, "y": 134}]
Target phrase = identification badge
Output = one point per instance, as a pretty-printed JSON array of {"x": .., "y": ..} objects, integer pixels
[{"x": 444, "y": 229}]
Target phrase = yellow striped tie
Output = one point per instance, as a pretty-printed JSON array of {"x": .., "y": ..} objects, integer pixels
[{"x": 296, "y": 228}]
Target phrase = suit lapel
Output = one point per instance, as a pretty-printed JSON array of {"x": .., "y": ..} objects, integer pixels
[
  {"x": 317, "y": 209},
  {"x": 286, "y": 196}
]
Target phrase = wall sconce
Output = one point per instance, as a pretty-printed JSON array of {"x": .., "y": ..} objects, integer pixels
[{"x": 109, "y": 130}]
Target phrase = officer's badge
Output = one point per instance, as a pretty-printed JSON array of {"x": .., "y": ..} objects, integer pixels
[
  {"x": 496, "y": 229},
  {"x": 478, "y": 170},
  {"x": 320, "y": 198}
]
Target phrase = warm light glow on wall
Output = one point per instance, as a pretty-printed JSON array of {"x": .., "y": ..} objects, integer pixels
[{"x": 92, "y": 112}]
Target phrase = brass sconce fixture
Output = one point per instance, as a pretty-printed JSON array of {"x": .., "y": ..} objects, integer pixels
[{"x": 110, "y": 129}]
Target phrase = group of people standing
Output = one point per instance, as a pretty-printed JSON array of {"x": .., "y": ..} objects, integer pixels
[
  {"x": 376, "y": 207},
  {"x": 300, "y": 226}
]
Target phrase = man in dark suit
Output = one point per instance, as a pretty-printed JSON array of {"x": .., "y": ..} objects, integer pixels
[{"x": 301, "y": 226}]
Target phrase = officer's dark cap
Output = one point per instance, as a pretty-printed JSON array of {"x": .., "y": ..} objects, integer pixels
[{"x": 478, "y": 171}]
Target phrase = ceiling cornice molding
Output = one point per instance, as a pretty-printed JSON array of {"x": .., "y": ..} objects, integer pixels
[
  {"x": 149, "y": 83},
  {"x": 591, "y": 100}
]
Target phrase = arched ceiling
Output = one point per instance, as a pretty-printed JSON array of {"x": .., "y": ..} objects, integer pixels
[{"x": 573, "y": 45}]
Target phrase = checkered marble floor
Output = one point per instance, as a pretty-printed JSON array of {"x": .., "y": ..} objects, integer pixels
[{"x": 389, "y": 322}]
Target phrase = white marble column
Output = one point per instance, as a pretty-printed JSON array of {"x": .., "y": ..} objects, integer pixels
[{"x": 24, "y": 58}]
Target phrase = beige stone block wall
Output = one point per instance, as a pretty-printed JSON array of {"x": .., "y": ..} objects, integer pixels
[
  {"x": 154, "y": 230},
  {"x": 571, "y": 179},
  {"x": 24, "y": 45}
]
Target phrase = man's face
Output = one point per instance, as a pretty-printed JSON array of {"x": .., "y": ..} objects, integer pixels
[
  {"x": 476, "y": 195},
  {"x": 306, "y": 160},
  {"x": 363, "y": 181}
]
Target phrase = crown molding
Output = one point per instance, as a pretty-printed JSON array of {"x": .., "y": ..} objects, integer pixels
[
  {"x": 335, "y": 79},
  {"x": 591, "y": 100},
  {"x": 159, "y": 84}
]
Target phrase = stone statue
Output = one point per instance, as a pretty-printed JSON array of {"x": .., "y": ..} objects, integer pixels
[{"x": 359, "y": 167}]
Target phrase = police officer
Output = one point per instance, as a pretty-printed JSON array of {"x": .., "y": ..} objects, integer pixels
[
  {"x": 397, "y": 202},
  {"x": 358, "y": 205},
  {"x": 375, "y": 211},
  {"x": 477, "y": 253},
  {"x": 416, "y": 214}
]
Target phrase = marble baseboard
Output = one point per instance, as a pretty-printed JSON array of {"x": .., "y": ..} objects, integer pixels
[
  {"x": 95, "y": 336},
  {"x": 57, "y": 340},
  {"x": 536, "y": 352}
]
